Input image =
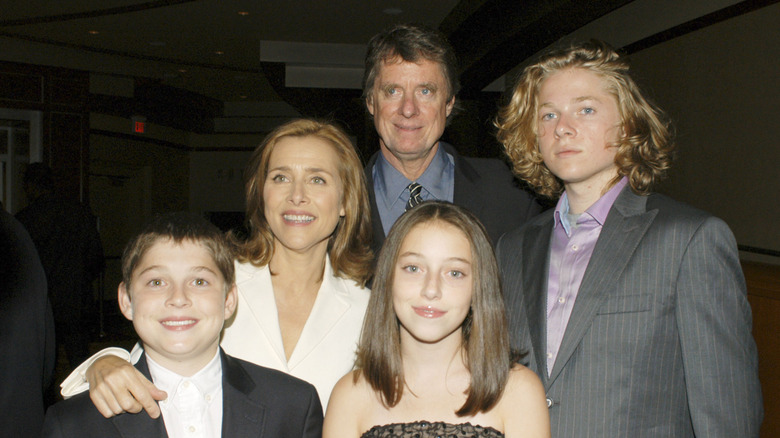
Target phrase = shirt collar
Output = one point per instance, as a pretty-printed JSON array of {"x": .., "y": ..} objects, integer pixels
[
  {"x": 207, "y": 380},
  {"x": 598, "y": 211},
  {"x": 392, "y": 183}
]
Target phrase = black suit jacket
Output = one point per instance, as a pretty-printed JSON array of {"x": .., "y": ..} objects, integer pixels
[
  {"x": 256, "y": 402},
  {"x": 26, "y": 332},
  {"x": 66, "y": 237},
  {"x": 485, "y": 186}
]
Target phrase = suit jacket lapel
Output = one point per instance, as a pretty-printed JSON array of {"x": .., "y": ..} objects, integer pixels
[
  {"x": 465, "y": 192},
  {"x": 140, "y": 425},
  {"x": 536, "y": 245},
  {"x": 327, "y": 310},
  {"x": 259, "y": 300},
  {"x": 376, "y": 221},
  {"x": 624, "y": 228},
  {"x": 241, "y": 414}
]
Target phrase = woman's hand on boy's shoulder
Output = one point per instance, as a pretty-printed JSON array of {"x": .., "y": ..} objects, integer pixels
[{"x": 116, "y": 386}]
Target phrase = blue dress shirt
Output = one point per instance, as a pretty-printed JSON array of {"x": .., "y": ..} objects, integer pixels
[{"x": 438, "y": 182}]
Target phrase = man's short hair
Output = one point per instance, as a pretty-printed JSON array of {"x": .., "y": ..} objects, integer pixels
[
  {"x": 410, "y": 43},
  {"x": 180, "y": 227}
]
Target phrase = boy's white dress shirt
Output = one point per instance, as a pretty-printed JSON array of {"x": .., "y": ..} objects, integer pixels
[{"x": 193, "y": 408}]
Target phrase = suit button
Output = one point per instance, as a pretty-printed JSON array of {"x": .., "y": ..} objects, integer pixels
[{"x": 549, "y": 403}]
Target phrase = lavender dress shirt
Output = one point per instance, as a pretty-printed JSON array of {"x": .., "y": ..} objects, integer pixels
[{"x": 572, "y": 246}]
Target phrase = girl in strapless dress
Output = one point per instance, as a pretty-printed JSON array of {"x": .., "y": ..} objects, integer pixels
[{"x": 434, "y": 357}]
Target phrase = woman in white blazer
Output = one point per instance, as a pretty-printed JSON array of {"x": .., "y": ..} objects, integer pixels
[{"x": 301, "y": 274}]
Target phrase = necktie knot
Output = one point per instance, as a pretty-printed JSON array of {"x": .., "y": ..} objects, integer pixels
[{"x": 414, "y": 195}]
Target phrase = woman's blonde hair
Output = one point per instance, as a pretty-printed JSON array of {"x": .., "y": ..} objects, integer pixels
[
  {"x": 644, "y": 152},
  {"x": 349, "y": 245}
]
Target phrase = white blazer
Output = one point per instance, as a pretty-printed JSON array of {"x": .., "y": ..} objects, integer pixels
[{"x": 326, "y": 349}]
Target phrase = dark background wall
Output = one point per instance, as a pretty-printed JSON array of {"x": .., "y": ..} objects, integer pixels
[{"x": 721, "y": 86}]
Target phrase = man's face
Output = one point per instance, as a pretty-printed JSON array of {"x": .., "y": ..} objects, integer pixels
[{"x": 410, "y": 108}]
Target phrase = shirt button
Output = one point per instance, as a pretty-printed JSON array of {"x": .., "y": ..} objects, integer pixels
[
  {"x": 561, "y": 300},
  {"x": 549, "y": 355},
  {"x": 186, "y": 384},
  {"x": 208, "y": 397},
  {"x": 575, "y": 247},
  {"x": 549, "y": 403},
  {"x": 191, "y": 429}
]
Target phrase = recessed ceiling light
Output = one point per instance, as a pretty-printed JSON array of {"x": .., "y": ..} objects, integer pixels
[
  {"x": 243, "y": 13},
  {"x": 219, "y": 52},
  {"x": 93, "y": 32},
  {"x": 243, "y": 97},
  {"x": 182, "y": 70},
  {"x": 393, "y": 11}
]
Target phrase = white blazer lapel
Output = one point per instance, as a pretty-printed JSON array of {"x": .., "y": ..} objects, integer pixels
[
  {"x": 259, "y": 318},
  {"x": 328, "y": 308}
]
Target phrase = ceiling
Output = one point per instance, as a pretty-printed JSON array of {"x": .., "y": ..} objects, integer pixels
[
  {"x": 205, "y": 46},
  {"x": 213, "y": 47}
]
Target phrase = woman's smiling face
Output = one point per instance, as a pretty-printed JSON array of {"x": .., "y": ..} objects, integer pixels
[{"x": 303, "y": 193}]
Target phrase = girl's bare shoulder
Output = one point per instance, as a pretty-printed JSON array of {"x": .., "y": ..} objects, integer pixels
[
  {"x": 352, "y": 391},
  {"x": 523, "y": 405},
  {"x": 520, "y": 374},
  {"x": 523, "y": 385}
]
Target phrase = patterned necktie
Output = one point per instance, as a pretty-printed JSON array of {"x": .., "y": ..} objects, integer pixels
[{"x": 414, "y": 195}]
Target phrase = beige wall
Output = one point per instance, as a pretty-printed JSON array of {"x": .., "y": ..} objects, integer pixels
[{"x": 721, "y": 86}]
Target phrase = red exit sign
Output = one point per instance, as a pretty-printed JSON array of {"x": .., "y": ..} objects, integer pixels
[{"x": 139, "y": 124}]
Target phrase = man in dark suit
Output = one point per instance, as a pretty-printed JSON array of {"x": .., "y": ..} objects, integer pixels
[
  {"x": 257, "y": 402},
  {"x": 66, "y": 236},
  {"x": 630, "y": 306},
  {"x": 26, "y": 332},
  {"x": 409, "y": 85}
]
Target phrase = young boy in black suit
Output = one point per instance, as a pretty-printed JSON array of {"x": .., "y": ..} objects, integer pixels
[{"x": 178, "y": 288}]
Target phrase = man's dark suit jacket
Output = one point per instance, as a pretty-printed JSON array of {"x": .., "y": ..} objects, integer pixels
[
  {"x": 659, "y": 341},
  {"x": 66, "y": 236},
  {"x": 485, "y": 186},
  {"x": 256, "y": 402},
  {"x": 26, "y": 332}
]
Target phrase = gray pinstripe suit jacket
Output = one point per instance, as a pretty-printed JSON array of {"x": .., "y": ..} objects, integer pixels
[{"x": 658, "y": 343}]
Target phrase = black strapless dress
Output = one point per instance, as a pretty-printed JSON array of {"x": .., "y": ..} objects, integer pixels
[{"x": 424, "y": 429}]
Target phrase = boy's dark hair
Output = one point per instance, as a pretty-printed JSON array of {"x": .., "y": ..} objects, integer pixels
[{"x": 179, "y": 227}]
